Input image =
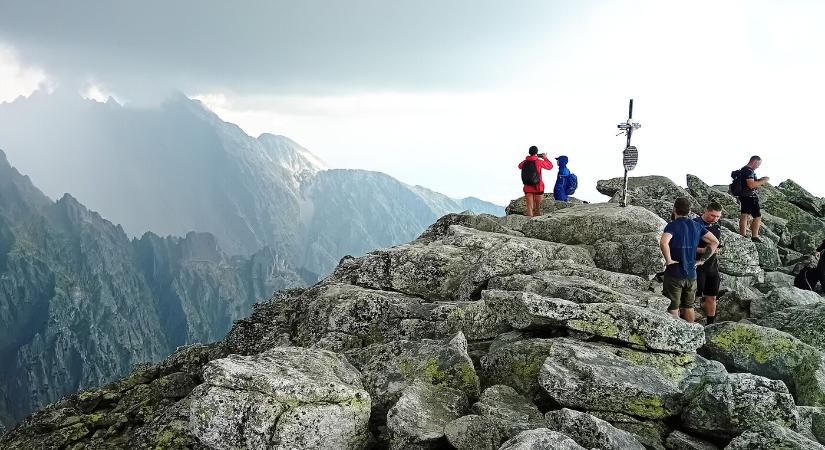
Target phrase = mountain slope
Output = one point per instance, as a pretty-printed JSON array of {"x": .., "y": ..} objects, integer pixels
[
  {"x": 81, "y": 303},
  {"x": 181, "y": 158}
]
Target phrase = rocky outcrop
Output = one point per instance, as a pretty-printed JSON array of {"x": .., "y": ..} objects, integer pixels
[
  {"x": 542, "y": 438},
  {"x": 591, "y": 432},
  {"x": 771, "y": 353},
  {"x": 772, "y": 436},
  {"x": 287, "y": 397},
  {"x": 491, "y": 333}
]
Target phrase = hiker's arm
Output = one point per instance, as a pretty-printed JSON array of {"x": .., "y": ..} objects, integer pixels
[
  {"x": 664, "y": 245},
  {"x": 713, "y": 244},
  {"x": 520, "y": 164},
  {"x": 752, "y": 184},
  {"x": 547, "y": 164}
]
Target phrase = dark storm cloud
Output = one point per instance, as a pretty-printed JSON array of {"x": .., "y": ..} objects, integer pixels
[{"x": 280, "y": 46}]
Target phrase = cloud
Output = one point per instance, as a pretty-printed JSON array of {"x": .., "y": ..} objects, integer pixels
[
  {"x": 16, "y": 79},
  {"x": 277, "y": 46}
]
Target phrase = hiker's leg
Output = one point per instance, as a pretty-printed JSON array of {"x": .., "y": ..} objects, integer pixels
[
  {"x": 528, "y": 199},
  {"x": 687, "y": 300},
  {"x": 709, "y": 306},
  {"x": 743, "y": 223},
  {"x": 673, "y": 291},
  {"x": 537, "y": 198},
  {"x": 755, "y": 223}
]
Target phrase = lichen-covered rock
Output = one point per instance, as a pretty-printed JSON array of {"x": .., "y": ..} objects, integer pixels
[
  {"x": 548, "y": 205},
  {"x": 284, "y": 398},
  {"x": 778, "y": 279},
  {"x": 627, "y": 323},
  {"x": 738, "y": 256},
  {"x": 454, "y": 267},
  {"x": 770, "y": 353},
  {"x": 418, "y": 419},
  {"x": 387, "y": 369},
  {"x": 517, "y": 364},
  {"x": 803, "y": 322},
  {"x": 705, "y": 194},
  {"x": 481, "y": 222},
  {"x": 772, "y": 436},
  {"x": 734, "y": 305},
  {"x": 768, "y": 255},
  {"x": 682, "y": 441},
  {"x": 812, "y": 422},
  {"x": 473, "y": 432},
  {"x": 647, "y": 187},
  {"x": 541, "y": 439},
  {"x": 798, "y": 219},
  {"x": 510, "y": 412},
  {"x": 590, "y": 378},
  {"x": 741, "y": 401},
  {"x": 591, "y": 432},
  {"x": 578, "y": 289},
  {"x": 781, "y": 298},
  {"x": 650, "y": 433},
  {"x": 805, "y": 242},
  {"x": 613, "y": 280},
  {"x": 624, "y": 239},
  {"x": 340, "y": 317},
  {"x": 800, "y": 197}
]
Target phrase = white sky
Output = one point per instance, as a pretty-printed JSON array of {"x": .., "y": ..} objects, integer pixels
[{"x": 713, "y": 83}]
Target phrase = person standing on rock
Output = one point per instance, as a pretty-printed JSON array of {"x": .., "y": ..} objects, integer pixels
[
  {"x": 562, "y": 180},
  {"x": 531, "y": 169},
  {"x": 679, "y": 244},
  {"x": 748, "y": 199},
  {"x": 707, "y": 274}
]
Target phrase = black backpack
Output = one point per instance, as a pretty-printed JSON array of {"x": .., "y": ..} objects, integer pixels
[
  {"x": 736, "y": 189},
  {"x": 529, "y": 173}
]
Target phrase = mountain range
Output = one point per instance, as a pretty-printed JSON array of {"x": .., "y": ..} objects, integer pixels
[{"x": 178, "y": 167}]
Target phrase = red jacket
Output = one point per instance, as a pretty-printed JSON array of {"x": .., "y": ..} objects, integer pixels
[{"x": 540, "y": 164}]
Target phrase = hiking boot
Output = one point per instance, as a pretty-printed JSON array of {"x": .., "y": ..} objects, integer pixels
[{"x": 756, "y": 239}]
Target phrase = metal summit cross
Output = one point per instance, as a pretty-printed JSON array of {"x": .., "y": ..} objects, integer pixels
[{"x": 630, "y": 154}]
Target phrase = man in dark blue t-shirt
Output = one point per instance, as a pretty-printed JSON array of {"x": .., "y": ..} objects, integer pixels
[
  {"x": 749, "y": 200},
  {"x": 679, "y": 242}
]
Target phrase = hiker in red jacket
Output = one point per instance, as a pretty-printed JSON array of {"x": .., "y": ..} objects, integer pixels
[{"x": 531, "y": 177}]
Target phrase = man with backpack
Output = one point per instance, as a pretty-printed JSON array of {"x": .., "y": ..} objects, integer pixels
[
  {"x": 679, "y": 243},
  {"x": 707, "y": 274},
  {"x": 531, "y": 169},
  {"x": 566, "y": 181},
  {"x": 744, "y": 186}
]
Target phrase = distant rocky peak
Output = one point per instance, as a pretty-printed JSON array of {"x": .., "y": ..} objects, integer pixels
[{"x": 290, "y": 155}]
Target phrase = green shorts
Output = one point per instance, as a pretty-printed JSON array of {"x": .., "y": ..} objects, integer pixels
[{"x": 680, "y": 291}]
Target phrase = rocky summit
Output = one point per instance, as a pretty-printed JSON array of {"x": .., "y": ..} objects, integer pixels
[{"x": 498, "y": 333}]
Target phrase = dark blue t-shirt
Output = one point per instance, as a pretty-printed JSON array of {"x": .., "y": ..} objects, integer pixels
[{"x": 686, "y": 236}]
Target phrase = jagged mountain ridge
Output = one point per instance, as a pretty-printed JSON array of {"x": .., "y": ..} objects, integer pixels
[
  {"x": 248, "y": 192},
  {"x": 81, "y": 302}
]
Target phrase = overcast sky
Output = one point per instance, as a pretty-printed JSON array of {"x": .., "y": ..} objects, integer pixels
[{"x": 449, "y": 94}]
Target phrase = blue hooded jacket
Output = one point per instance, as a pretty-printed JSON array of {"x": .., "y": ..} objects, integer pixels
[{"x": 560, "y": 189}]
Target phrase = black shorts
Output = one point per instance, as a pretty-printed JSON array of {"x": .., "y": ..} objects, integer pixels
[
  {"x": 707, "y": 282},
  {"x": 750, "y": 206}
]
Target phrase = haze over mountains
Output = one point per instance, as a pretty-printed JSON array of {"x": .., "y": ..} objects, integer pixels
[
  {"x": 179, "y": 167},
  {"x": 81, "y": 303}
]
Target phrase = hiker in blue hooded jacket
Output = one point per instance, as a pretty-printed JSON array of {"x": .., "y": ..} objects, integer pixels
[{"x": 562, "y": 179}]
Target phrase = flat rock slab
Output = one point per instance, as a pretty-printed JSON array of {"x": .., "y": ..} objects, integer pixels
[
  {"x": 591, "y": 378},
  {"x": 456, "y": 266},
  {"x": 624, "y": 239},
  {"x": 626, "y": 323},
  {"x": 285, "y": 398}
]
